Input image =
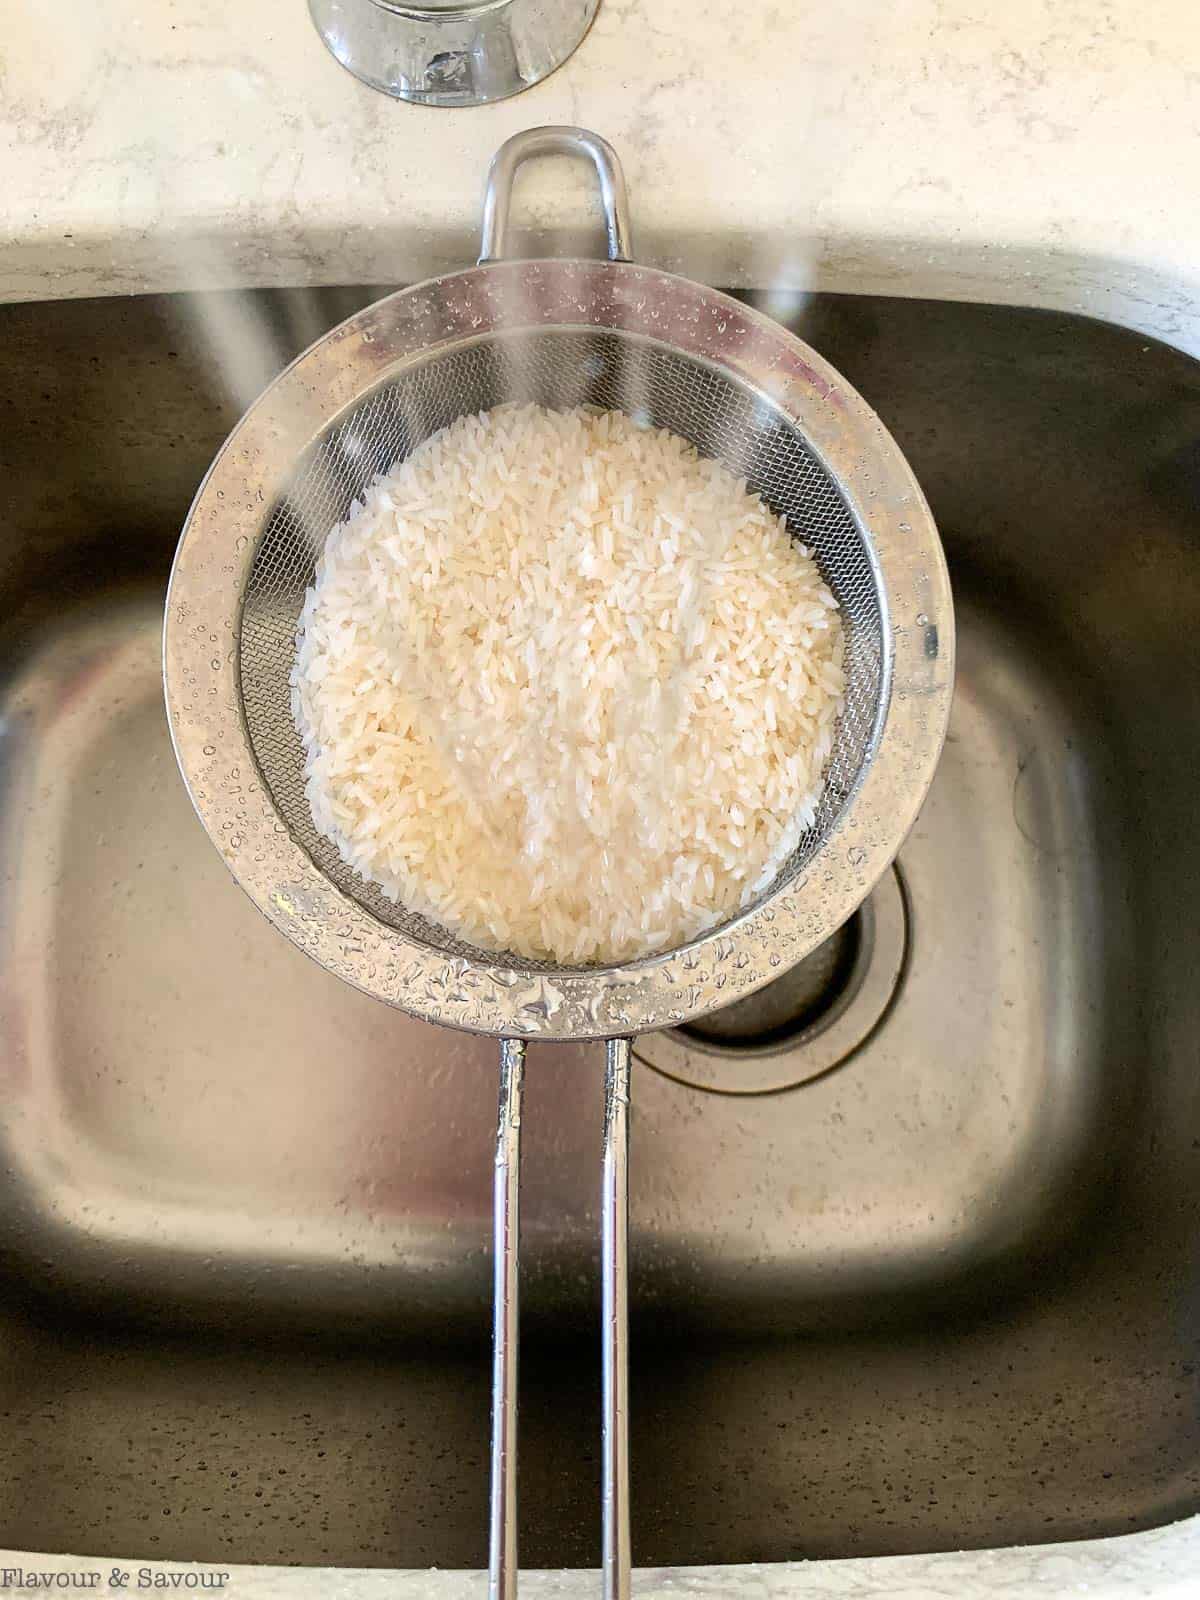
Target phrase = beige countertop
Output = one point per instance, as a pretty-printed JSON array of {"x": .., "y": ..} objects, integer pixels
[{"x": 1041, "y": 151}]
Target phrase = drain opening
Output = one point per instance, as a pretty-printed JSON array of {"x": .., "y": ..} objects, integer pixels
[
  {"x": 804, "y": 1023},
  {"x": 791, "y": 1004}
]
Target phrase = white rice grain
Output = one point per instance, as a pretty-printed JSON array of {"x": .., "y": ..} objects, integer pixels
[{"x": 565, "y": 686}]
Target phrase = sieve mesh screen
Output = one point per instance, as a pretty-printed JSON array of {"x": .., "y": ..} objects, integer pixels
[{"x": 558, "y": 368}]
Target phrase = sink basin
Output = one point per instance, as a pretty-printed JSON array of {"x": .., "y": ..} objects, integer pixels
[{"x": 920, "y": 1271}]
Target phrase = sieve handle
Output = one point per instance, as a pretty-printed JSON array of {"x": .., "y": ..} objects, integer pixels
[
  {"x": 614, "y": 1336},
  {"x": 506, "y": 1218},
  {"x": 554, "y": 142}
]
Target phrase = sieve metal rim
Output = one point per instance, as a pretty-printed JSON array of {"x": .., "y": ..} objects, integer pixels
[{"x": 217, "y": 549}]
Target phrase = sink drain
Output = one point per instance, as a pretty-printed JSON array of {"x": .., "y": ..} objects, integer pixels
[{"x": 804, "y": 1023}]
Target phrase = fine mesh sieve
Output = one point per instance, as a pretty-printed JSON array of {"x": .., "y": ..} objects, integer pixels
[
  {"x": 559, "y": 368},
  {"x": 563, "y": 333}
]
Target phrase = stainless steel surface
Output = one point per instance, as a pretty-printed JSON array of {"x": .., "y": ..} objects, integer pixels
[
  {"x": 506, "y": 1258},
  {"x": 452, "y": 52},
  {"x": 944, "y": 1296},
  {"x": 562, "y": 332},
  {"x": 614, "y": 1321},
  {"x": 511, "y": 156}
]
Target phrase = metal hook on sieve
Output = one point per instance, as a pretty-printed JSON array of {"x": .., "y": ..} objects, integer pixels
[{"x": 497, "y": 195}]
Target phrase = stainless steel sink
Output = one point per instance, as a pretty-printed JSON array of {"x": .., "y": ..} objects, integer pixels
[{"x": 943, "y": 1290}]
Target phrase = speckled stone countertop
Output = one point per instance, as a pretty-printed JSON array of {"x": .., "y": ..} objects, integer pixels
[
  {"x": 1163, "y": 1564},
  {"x": 1040, "y": 153}
]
